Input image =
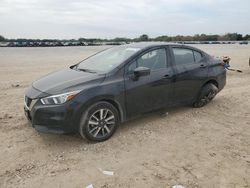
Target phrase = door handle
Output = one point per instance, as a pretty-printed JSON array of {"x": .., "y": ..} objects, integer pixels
[
  {"x": 203, "y": 66},
  {"x": 166, "y": 76}
]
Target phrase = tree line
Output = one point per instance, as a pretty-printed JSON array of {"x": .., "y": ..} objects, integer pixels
[{"x": 144, "y": 37}]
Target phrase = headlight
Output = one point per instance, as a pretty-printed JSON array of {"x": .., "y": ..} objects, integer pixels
[{"x": 59, "y": 99}]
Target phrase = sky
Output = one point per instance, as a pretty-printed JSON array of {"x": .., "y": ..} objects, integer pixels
[{"x": 66, "y": 19}]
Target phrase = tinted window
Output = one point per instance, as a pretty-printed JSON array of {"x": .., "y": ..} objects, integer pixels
[
  {"x": 183, "y": 56},
  {"x": 197, "y": 56},
  {"x": 155, "y": 59}
]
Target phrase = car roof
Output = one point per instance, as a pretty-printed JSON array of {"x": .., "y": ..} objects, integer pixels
[
  {"x": 150, "y": 44},
  {"x": 144, "y": 45}
]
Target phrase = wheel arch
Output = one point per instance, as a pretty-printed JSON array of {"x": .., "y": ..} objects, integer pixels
[
  {"x": 198, "y": 97},
  {"x": 117, "y": 106},
  {"x": 109, "y": 99},
  {"x": 211, "y": 81}
]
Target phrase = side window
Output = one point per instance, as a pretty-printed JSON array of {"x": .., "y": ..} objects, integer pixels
[
  {"x": 131, "y": 67},
  {"x": 183, "y": 56},
  {"x": 197, "y": 56},
  {"x": 155, "y": 59}
]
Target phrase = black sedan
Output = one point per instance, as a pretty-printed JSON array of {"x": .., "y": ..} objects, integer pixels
[{"x": 94, "y": 96}]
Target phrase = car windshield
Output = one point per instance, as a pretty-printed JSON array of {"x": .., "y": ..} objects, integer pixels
[{"x": 107, "y": 60}]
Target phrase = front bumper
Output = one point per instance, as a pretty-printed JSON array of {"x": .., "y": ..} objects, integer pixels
[{"x": 57, "y": 119}]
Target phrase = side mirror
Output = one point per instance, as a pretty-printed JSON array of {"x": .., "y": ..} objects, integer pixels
[{"x": 141, "y": 71}]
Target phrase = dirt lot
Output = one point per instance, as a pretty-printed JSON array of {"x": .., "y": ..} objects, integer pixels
[{"x": 207, "y": 147}]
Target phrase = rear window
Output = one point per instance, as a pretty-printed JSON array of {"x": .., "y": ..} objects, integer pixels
[{"x": 183, "y": 56}]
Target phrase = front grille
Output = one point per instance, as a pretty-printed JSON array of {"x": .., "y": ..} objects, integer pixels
[{"x": 28, "y": 101}]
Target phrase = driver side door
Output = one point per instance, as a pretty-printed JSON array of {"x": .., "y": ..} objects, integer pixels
[{"x": 151, "y": 92}]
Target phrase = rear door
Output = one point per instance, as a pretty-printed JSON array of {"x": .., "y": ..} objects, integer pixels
[
  {"x": 152, "y": 91},
  {"x": 191, "y": 71}
]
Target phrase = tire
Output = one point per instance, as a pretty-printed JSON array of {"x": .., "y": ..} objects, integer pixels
[
  {"x": 208, "y": 92},
  {"x": 99, "y": 122}
]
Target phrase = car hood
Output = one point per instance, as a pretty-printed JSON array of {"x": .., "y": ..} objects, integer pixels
[{"x": 66, "y": 80}]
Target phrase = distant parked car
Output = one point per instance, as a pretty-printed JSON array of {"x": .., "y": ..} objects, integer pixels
[
  {"x": 243, "y": 42},
  {"x": 94, "y": 96}
]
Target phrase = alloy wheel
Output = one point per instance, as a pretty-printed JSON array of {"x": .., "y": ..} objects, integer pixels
[{"x": 101, "y": 123}]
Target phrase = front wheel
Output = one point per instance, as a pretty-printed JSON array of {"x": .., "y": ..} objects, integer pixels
[
  {"x": 207, "y": 94},
  {"x": 99, "y": 122}
]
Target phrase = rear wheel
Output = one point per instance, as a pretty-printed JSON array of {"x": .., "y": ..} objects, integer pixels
[
  {"x": 99, "y": 122},
  {"x": 208, "y": 92}
]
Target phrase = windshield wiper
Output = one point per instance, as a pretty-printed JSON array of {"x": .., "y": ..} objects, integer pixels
[{"x": 86, "y": 70}]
